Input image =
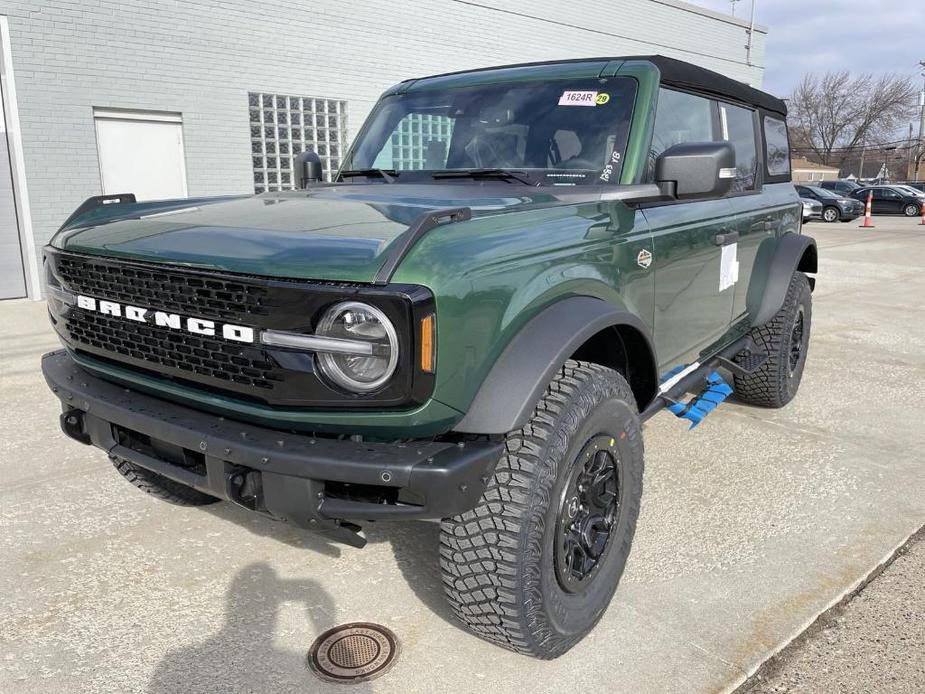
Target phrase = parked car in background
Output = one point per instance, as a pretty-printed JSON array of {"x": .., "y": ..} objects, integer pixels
[
  {"x": 912, "y": 190},
  {"x": 841, "y": 187},
  {"x": 891, "y": 200},
  {"x": 812, "y": 209},
  {"x": 835, "y": 207}
]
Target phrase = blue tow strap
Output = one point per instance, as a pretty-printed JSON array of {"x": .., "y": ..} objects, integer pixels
[{"x": 703, "y": 404}]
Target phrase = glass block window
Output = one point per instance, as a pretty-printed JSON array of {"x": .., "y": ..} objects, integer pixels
[
  {"x": 419, "y": 141},
  {"x": 282, "y": 127}
]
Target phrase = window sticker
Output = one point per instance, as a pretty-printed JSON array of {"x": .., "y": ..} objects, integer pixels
[
  {"x": 611, "y": 165},
  {"x": 602, "y": 98},
  {"x": 728, "y": 267},
  {"x": 579, "y": 98}
]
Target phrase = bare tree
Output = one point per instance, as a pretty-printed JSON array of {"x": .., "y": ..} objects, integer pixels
[{"x": 835, "y": 113}]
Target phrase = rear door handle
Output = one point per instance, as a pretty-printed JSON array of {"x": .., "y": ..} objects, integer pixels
[{"x": 726, "y": 238}]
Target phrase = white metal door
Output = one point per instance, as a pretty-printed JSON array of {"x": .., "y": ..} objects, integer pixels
[{"x": 141, "y": 154}]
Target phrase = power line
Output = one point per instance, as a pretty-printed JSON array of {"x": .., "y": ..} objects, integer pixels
[
  {"x": 903, "y": 143},
  {"x": 567, "y": 25}
]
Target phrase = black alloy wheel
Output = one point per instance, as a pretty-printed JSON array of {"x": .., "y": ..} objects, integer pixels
[{"x": 588, "y": 509}]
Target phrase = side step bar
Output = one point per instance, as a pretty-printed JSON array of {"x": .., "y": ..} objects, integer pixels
[{"x": 742, "y": 358}]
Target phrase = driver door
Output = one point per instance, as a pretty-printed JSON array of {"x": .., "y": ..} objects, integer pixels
[
  {"x": 692, "y": 310},
  {"x": 886, "y": 201}
]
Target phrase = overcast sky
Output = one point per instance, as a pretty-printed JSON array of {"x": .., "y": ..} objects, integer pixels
[{"x": 820, "y": 35}]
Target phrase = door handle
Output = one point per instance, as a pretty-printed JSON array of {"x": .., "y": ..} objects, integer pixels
[{"x": 726, "y": 238}]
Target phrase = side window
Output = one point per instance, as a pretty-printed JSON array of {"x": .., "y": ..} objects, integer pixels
[
  {"x": 777, "y": 146},
  {"x": 680, "y": 118},
  {"x": 738, "y": 128}
]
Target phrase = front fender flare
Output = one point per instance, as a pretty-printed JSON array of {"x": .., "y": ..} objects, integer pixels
[{"x": 516, "y": 381}]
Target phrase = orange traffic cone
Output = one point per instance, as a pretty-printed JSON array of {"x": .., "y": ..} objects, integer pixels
[
  {"x": 922, "y": 223},
  {"x": 867, "y": 222}
]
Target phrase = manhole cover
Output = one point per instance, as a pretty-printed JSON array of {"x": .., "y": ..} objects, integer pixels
[{"x": 353, "y": 653}]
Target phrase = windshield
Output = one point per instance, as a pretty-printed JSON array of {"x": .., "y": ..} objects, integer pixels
[
  {"x": 564, "y": 132},
  {"x": 908, "y": 190}
]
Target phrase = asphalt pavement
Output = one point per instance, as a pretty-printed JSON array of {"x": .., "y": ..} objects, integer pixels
[
  {"x": 751, "y": 527},
  {"x": 874, "y": 642}
]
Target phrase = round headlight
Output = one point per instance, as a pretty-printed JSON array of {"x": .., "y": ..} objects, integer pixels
[{"x": 371, "y": 360}]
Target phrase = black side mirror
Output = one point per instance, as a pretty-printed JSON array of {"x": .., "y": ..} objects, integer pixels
[
  {"x": 697, "y": 169},
  {"x": 308, "y": 169}
]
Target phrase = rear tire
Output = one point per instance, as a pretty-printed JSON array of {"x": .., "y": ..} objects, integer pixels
[
  {"x": 533, "y": 567},
  {"x": 786, "y": 340},
  {"x": 159, "y": 486},
  {"x": 831, "y": 214}
]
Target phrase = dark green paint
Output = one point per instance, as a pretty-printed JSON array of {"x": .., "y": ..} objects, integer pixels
[{"x": 524, "y": 249}]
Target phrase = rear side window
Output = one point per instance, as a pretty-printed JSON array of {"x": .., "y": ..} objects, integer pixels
[
  {"x": 778, "y": 147},
  {"x": 738, "y": 128}
]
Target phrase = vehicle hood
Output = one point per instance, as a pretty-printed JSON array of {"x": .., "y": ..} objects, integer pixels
[{"x": 339, "y": 232}]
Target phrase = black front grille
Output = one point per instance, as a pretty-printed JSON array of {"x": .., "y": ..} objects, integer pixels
[
  {"x": 173, "y": 350},
  {"x": 232, "y": 300},
  {"x": 274, "y": 376}
]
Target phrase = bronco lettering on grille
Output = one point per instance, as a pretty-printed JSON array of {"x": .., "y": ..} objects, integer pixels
[{"x": 163, "y": 319}]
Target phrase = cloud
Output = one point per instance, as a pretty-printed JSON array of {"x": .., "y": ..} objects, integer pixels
[{"x": 855, "y": 35}]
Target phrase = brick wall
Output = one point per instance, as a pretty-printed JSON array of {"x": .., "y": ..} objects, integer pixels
[{"x": 201, "y": 59}]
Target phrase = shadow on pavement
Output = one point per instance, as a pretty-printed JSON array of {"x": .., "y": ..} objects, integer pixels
[
  {"x": 416, "y": 545},
  {"x": 281, "y": 532},
  {"x": 242, "y": 655}
]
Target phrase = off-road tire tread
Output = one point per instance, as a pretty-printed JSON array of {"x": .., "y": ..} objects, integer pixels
[
  {"x": 766, "y": 387},
  {"x": 489, "y": 556},
  {"x": 159, "y": 486}
]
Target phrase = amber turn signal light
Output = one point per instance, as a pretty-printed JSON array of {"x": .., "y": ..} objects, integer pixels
[{"x": 428, "y": 344}]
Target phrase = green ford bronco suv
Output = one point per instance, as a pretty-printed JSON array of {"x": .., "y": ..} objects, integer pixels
[{"x": 512, "y": 270}]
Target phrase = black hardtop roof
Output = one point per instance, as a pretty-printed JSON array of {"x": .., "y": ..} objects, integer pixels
[{"x": 674, "y": 73}]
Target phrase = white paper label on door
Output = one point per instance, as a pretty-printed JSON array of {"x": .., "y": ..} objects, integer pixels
[{"x": 728, "y": 267}]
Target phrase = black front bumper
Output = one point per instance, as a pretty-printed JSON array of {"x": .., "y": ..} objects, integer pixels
[{"x": 317, "y": 483}]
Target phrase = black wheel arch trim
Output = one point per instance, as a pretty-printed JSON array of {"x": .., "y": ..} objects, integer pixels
[
  {"x": 518, "y": 378},
  {"x": 794, "y": 252}
]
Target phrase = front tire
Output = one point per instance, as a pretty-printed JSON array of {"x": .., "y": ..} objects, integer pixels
[
  {"x": 831, "y": 214},
  {"x": 911, "y": 211},
  {"x": 159, "y": 486},
  {"x": 786, "y": 340},
  {"x": 533, "y": 567}
]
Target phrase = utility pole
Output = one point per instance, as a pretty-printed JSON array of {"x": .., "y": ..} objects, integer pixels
[
  {"x": 921, "y": 155},
  {"x": 751, "y": 33},
  {"x": 910, "y": 148}
]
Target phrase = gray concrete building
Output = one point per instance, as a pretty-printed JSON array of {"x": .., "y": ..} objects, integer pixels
[{"x": 171, "y": 99}]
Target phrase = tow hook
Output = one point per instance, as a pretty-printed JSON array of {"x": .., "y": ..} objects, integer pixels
[
  {"x": 72, "y": 424},
  {"x": 244, "y": 487}
]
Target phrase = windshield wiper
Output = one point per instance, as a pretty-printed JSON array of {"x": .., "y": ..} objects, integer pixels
[
  {"x": 506, "y": 174},
  {"x": 388, "y": 175}
]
